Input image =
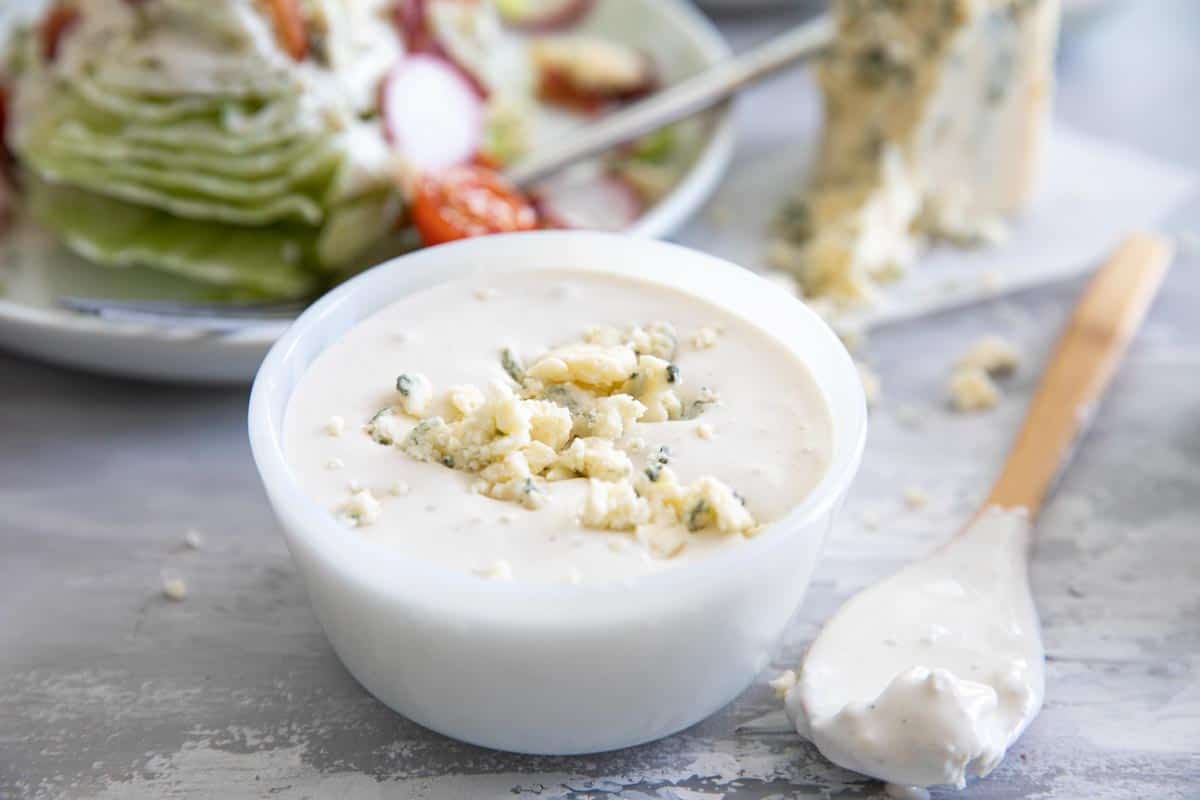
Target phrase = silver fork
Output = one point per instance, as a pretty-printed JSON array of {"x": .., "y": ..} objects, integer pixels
[{"x": 678, "y": 101}]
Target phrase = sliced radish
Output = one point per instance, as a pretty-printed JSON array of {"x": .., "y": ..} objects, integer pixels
[
  {"x": 593, "y": 201},
  {"x": 431, "y": 114},
  {"x": 466, "y": 33},
  {"x": 415, "y": 21},
  {"x": 543, "y": 15},
  {"x": 585, "y": 71}
]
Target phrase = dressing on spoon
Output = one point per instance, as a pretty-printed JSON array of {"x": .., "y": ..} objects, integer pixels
[{"x": 927, "y": 677}]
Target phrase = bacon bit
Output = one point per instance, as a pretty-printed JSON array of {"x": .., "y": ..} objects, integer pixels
[
  {"x": 559, "y": 82},
  {"x": 289, "y": 27},
  {"x": 555, "y": 88},
  {"x": 58, "y": 22}
]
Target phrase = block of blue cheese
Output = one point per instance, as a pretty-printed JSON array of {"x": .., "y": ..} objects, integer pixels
[{"x": 935, "y": 114}]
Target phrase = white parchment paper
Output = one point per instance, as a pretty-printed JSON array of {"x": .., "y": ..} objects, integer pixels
[{"x": 1090, "y": 195}]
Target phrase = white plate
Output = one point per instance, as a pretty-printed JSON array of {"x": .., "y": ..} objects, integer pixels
[{"x": 683, "y": 42}]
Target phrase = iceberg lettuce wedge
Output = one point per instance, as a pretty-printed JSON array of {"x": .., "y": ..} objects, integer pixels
[{"x": 272, "y": 261}]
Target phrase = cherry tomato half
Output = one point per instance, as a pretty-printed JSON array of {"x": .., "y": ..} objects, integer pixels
[{"x": 467, "y": 201}]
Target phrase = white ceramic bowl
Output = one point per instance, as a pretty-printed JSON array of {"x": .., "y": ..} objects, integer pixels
[{"x": 556, "y": 669}]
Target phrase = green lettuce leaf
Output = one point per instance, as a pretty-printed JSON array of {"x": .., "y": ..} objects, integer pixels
[{"x": 274, "y": 261}]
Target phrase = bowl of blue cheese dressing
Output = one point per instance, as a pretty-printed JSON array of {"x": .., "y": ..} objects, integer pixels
[{"x": 556, "y": 492}]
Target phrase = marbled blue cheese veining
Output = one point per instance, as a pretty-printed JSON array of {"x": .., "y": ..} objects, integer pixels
[{"x": 934, "y": 115}]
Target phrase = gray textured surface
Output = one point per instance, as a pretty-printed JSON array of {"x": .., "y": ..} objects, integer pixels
[{"x": 108, "y": 690}]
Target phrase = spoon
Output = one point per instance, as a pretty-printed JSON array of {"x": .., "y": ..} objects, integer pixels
[{"x": 928, "y": 676}]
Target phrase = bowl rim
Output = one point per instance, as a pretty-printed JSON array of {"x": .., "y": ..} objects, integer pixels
[{"x": 359, "y": 557}]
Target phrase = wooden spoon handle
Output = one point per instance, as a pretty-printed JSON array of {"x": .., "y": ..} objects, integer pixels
[{"x": 1101, "y": 327}]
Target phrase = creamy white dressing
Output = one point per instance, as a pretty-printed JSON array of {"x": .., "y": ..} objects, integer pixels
[
  {"x": 769, "y": 438},
  {"x": 929, "y": 676}
]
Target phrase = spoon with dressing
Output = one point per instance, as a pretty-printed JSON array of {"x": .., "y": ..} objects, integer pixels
[{"x": 927, "y": 677}]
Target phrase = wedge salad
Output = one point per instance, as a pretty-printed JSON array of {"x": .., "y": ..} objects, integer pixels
[{"x": 264, "y": 149}]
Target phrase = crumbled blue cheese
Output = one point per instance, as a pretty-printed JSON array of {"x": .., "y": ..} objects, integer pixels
[
  {"x": 416, "y": 392},
  {"x": 971, "y": 384},
  {"x": 706, "y": 504},
  {"x": 705, "y": 338},
  {"x": 335, "y": 425},
  {"x": 549, "y": 424},
  {"x": 657, "y": 339},
  {"x": 614, "y": 505},
  {"x": 524, "y": 491},
  {"x": 699, "y": 404},
  {"x": 783, "y": 683},
  {"x": 662, "y": 539},
  {"x": 462, "y": 400},
  {"x": 653, "y": 384},
  {"x": 993, "y": 354},
  {"x": 174, "y": 588},
  {"x": 592, "y": 457},
  {"x": 565, "y": 417},
  {"x": 594, "y": 365},
  {"x": 972, "y": 389},
  {"x": 915, "y": 498},
  {"x": 710, "y": 503},
  {"x": 361, "y": 509},
  {"x": 614, "y": 415},
  {"x": 385, "y": 427}
]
